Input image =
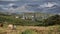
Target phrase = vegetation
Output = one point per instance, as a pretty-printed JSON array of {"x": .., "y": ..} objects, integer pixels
[
  {"x": 11, "y": 19},
  {"x": 34, "y": 25},
  {"x": 29, "y": 32},
  {"x": 17, "y": 21},
  {"x": 53, "y": 20},
  {"x": 32, "y": 30}
]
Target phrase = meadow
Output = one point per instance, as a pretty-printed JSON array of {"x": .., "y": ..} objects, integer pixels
[{"x": 32, "y": 30}]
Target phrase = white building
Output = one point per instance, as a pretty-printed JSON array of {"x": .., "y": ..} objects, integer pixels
[{"x": 16, "y": 16}]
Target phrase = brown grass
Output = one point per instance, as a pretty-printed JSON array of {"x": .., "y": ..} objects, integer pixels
[{"x": 40, "y": 30}]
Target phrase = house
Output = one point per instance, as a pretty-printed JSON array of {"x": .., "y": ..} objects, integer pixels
[
  {"x": 35, "y": 16},
  {"x": 16, "y": 16}
]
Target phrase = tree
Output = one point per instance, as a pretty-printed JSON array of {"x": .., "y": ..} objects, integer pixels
[{"x": 53, "y": 20}]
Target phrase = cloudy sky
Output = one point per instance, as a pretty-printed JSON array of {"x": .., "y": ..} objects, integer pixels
[{"x": 46, "y": 6}]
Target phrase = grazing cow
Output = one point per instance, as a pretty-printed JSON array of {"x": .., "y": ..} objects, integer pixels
[{"x": 11, "y": 26}]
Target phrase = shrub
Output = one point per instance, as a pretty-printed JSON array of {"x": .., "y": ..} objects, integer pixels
[
  {"x": 53, "y": 20},
  {"x": 29, "y": 32}
]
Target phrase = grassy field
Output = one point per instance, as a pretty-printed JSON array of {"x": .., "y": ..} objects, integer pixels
[{"x": 36, "y": 29}]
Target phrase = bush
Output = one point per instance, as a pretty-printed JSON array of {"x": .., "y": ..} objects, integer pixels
[
  {"x": 29, "y": 32},
  {"x": 53, "y": 20}
]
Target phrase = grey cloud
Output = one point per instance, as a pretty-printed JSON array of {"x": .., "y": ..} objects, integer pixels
[{"x": 9, "y": 0}]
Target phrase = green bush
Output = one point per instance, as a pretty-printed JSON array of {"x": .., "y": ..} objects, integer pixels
[
  {"x": 53, "y": 20},
  {"x": 29, "y": 32}
]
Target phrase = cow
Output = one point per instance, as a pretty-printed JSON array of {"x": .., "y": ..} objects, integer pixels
[{"x": 12, "y": 27}]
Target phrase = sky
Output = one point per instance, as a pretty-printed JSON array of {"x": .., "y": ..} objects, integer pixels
[{"x": 45, "y": 6}]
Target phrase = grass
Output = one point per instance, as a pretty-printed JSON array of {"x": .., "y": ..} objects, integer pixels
[
  {"x": 33, "y": 30},
  {"x": 29, "y": 32}
]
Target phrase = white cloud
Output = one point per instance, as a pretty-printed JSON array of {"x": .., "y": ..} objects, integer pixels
[
  {"x": 8, "y": 7},
  {"x": 48, "y": 5},
  {"x": 1, "y": 5},
  {"x": 22, "y": 9},
  {"x": 5, "y": 8},
  {"x": 11, "y": 4},
  {"x": 11, "y": 10}
]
